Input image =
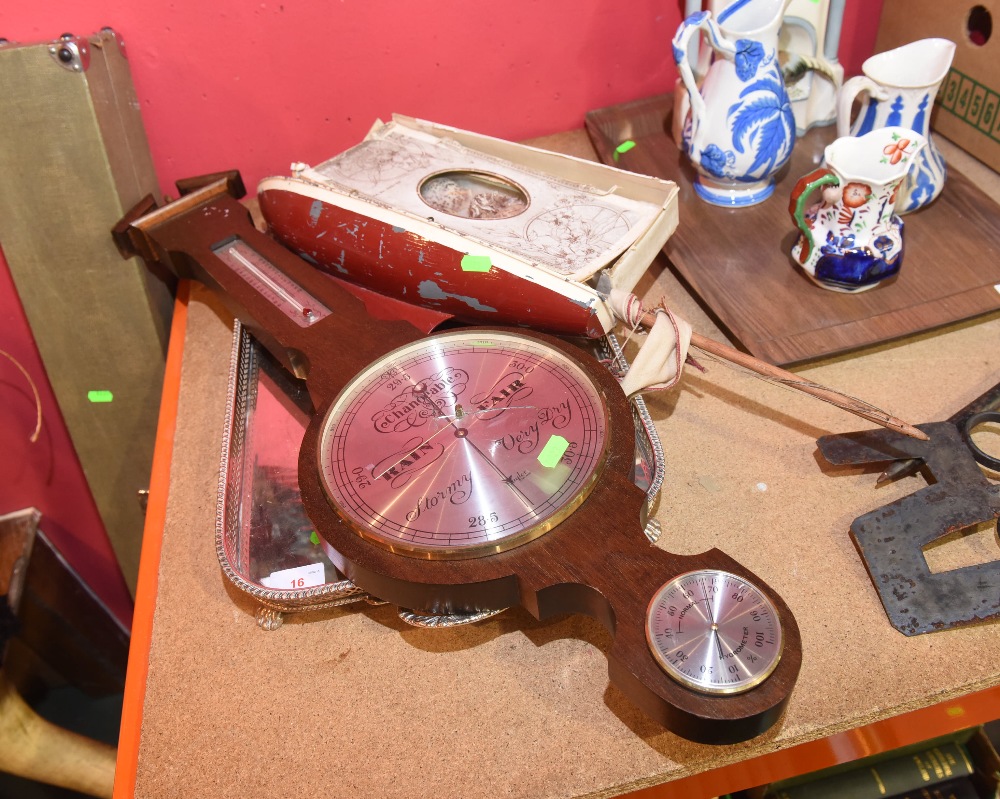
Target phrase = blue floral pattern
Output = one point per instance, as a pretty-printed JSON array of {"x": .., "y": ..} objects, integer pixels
[
  {"x": 749, "y": 54},
  {"x": 920, "y": 184},
  {"x": 883, "y": 244},
  {"x": 715, "y": 161},
  {"x": 763, "y": 123},
  {"x": 837, "y": 245}
]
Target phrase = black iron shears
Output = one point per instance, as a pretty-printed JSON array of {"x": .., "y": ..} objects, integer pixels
[{"x": 980, "y": 411}]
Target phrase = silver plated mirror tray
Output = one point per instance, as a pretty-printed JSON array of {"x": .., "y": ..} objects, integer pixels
[{"x": 267, "y": 546}]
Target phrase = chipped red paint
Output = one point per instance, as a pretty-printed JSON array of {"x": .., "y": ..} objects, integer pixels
[{"x": 401, "y": 264}]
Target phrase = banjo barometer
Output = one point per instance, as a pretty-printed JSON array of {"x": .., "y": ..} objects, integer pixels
[{"x": 479, "y": 468}]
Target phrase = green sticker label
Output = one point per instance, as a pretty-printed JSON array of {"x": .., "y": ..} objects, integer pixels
[
  {"x": 624, "y": 147},
  {"x": 553, "y": 450},
  {"x": 100, "y": 396},
  {"x": 476, "y": 263},
  {"x": 314, "y": 539}
]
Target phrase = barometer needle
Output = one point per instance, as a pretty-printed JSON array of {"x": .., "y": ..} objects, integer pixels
[
  {"x": 506, "y": 479},
  {"x": 427, "y": 440},
  {"x": 439, "y": 414},
  {"x": 421, "y": 393},
  {"x": 714, "y": 629}
]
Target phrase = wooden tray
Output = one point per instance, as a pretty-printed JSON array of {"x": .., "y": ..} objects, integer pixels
[{"x": 738, "y": 262}]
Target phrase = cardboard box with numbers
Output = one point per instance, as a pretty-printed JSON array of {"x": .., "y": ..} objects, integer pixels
[{"x": 967, "y": 110}]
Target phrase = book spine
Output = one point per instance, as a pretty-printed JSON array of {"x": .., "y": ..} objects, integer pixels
[
  {"x": 884, "y": 779},
  {"x": 960, "y": 788}
]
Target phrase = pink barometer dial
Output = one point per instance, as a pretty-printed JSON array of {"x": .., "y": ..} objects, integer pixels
[{"x": 463, "y": 444}]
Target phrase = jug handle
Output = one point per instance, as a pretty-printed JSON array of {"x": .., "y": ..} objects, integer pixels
[
  {"x": 800, "y": 196},
  {"x": 692, "y": 26},
  {"x": 817, "y": 64},
  {"x": 682, "y": 106},
  {"x": 845, "y": 99}
]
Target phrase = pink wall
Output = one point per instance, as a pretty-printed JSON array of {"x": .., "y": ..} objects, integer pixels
[
  {"x": 46, "y": 473},
  {"x": 256, "y": 85}
]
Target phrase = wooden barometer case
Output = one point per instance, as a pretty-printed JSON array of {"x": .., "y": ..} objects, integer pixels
[{"x": 481, "y": 468}]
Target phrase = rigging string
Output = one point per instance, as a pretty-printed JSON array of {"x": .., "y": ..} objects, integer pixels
[
  {"x": 844, "y": 401},
  {"x": 34, "y": 391},
  {"x": 660, "y": 361},
  {"x": 629, "y": 309}
]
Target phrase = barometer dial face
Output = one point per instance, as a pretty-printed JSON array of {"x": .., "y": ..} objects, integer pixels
[
  {"x": 463, "y": 444},
  {"x": 714, "y": 632}
]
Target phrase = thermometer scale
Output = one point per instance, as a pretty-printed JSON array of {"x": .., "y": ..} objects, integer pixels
[
  {"x": 271, "y": 282},
  {"x": 714, "y": 632},
  {"x": 471, "y": 470}
]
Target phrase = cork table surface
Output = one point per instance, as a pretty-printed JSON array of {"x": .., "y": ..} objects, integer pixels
[{"x": 354, "y": 702}]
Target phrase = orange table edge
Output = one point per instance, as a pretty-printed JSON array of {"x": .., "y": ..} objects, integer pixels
[
  {"x": 149, "y": 557},
  {"x": 908, "y": 728}
]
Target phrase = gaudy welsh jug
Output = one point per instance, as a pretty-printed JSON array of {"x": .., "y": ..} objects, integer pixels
[
  {"x": 852, "y": 240},
  {"x": 899, "y": 87},
  {"x": 740, "y": 128}
]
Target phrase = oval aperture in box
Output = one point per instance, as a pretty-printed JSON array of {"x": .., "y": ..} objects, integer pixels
[{"x": 473, "y": 194}]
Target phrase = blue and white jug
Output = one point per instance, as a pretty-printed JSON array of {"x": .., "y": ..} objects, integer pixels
[
  {"x": 898, "y": 89},
  {"x": 740, "y": 128}
]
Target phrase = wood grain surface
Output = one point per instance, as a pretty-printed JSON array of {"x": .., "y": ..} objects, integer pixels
[{"x": 737, "y": 260}]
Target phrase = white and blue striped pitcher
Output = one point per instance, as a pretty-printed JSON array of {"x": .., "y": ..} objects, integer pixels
[{"x": 898, "y": 89}]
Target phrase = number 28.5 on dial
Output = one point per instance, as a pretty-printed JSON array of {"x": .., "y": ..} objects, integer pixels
[{"x": 463, "y": 444}]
